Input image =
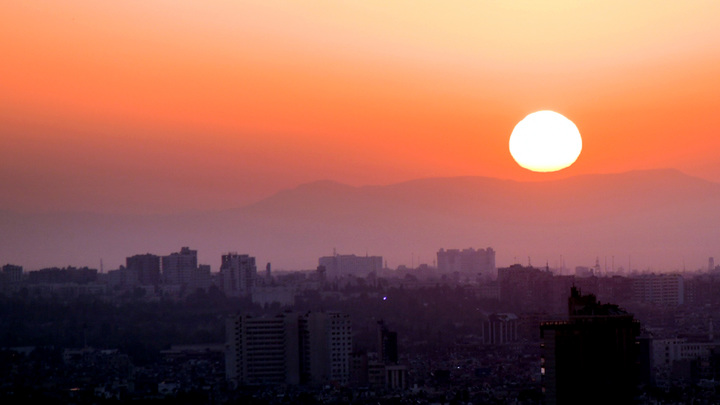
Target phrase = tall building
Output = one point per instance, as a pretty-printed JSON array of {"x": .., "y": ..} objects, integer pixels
[
  {"x": 526, "y": 289},
  {"x": 312, "y": 348},
  {"x": 592, "y": 357},
  {"x": 146, "y": 267},
  {"x": 662, "y": 289},
  {"x": 12, "y": 273},
  {"x": 177, "y": 267},
  {"x": 326, "y": 341},
  {"x": 239, "y": 274},
  {"x": 262, "y": 350},
  {"x": 500, "y": 329},
  {"x": 344, "y": 265},
  {"x": 467, "y": 261},
  {"x": 387, "y": 344}
]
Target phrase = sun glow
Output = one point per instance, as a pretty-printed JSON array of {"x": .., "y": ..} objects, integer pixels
[{"x": 545, "y": 141}]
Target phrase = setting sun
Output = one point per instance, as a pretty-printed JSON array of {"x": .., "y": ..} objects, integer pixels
[{"x": 545, "y": 141}]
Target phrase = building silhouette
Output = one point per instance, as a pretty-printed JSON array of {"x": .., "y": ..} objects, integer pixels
[
  {"x": 467, "y": 261},
  {"x": 592, "y": 357},
  {"x": 500, "y": 329},
  {"x": 177, "y": 267},
  {"x": 238, "y": 274},
  {"x": 146, "y": 267},
  {"x": 290, "y": 348},
  {"x": 345, "y": 265}
]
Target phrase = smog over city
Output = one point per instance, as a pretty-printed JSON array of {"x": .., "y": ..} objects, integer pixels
[{"x": 374, "y": 202}]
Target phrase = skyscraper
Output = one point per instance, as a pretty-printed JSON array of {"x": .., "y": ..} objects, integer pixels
[{"x": 592, "y": 357}]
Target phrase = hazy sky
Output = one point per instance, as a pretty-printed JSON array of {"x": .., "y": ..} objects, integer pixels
[{"x": 164, "y": 106}]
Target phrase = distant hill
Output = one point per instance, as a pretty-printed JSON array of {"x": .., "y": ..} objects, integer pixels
[{"x": 657, "y": 218}]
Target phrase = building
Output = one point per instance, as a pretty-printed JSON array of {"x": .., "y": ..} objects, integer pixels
[
  {"x": 177, "y": 267},
  {"x": 262, "y": 351},
  {"x": 238, "y": 274},
  {"x": 661, "y": 289},
  {"x": 592, "y": 357},
  {"x": 467, "y": 262},
  {"x": 345, "y": 265},
  {"x": 326, "y": 339},
  {"x": 387, "y": 344},
  {"x": 500, "y": 329},
  {"x": 12, "y": 274},
  {"x": 146, "y": 267},
  {"x": 313, "y": 348},
  {"x": 526, "y": 289}
]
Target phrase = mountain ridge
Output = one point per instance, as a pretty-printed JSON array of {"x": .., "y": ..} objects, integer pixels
[{"x": 661, "y": 217}]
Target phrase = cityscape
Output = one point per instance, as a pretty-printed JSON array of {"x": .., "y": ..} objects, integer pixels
[
  {"x": 373, "y": 203},
  {"x": 166, "y": 328}
]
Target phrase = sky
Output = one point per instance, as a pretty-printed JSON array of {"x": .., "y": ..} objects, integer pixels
[{"x": 171, "y": 106}]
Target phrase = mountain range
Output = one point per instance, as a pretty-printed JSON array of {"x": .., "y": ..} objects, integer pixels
[{"x": 657, "y": 219}]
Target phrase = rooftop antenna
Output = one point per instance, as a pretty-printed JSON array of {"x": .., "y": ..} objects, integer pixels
[
  {"x": 529, "y": 263},
  {"x": 101, "y": 266}
]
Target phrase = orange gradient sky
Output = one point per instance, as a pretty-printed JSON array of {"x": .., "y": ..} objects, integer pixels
[{"x": 166, "y": 106}]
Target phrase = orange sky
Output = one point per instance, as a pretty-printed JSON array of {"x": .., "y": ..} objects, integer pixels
[{"x": 165, "y": 106}]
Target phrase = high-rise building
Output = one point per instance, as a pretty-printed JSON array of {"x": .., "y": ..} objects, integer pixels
[
  {"x": 344, "y": 265},
  {"x": 500, "y": 329},
  {"x": 146, "y": 267},
  {"x": 467, "y": 261},
  {"x": 592, "y": 357},
  {"x": 662, "y": 289},
  {"x": 262, "y": 350},
  {"x": 313, "y": 348},
  {"x": 177, "y": 267},
  {"x": 387, "y": 344},
  {"x": 326, "y": 342},
  {"x": 239, "y": 274},
  {"x": 526, "y": 289},
  {"x": 12, "y": 273}
]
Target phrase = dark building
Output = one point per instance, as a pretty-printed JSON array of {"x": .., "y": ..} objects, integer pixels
[
  {"x": 177, "y": 267},
  {"x": 56, "y": 275},
  {"x": 526, "y": 289},
  {"x": 500, "y": 329},
  {"x": 345, "y": 265},
  {"x": 387, "y": 344},
  {"x": 592, "y": 357},
  {"x": 147, "y": 268}
]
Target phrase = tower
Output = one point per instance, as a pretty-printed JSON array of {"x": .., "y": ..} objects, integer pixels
[{"x": 592, "y": 357}]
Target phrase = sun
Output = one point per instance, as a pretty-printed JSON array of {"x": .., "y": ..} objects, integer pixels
[{"x": 545, "y": 141}]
